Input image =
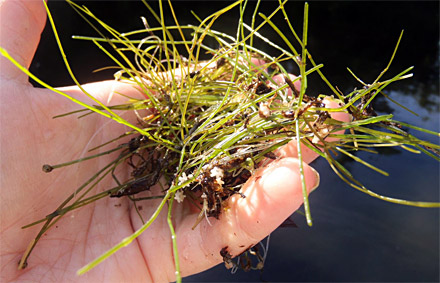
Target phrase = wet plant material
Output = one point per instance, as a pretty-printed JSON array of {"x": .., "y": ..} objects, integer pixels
[
  {"x": 204, "y": 126},
  {"x": 251, "y": 259}
]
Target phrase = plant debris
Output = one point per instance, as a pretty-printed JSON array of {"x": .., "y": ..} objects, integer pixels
[{"x": 205, "y": 126}]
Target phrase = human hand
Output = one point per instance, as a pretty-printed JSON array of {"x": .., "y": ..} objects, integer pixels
[{"x": 30, "y": 137}]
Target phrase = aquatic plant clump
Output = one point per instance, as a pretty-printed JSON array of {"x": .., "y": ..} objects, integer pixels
[{"x": 204, "y": 126}]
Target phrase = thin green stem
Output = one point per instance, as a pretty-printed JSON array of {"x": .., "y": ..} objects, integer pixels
[
  {"x": 126, "y": 241},
  {"x": 301, "y": 172},
  {"x": 174, "y": 238}
]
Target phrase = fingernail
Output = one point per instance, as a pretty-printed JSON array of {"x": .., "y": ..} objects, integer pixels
[{"x": 318, "y": 178}]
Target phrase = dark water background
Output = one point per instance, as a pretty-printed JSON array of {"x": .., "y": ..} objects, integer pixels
[{"x": 354, "y": 237}]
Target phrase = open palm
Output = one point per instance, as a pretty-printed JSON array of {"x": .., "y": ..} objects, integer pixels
[{"x": 30, "y": 137}]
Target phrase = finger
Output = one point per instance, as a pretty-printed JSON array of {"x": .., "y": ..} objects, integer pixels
[
  {"x": 280, "y": 80},
  {"x": 107, "y": 92},
  {"x": 308, "y": 155},
  {"x": 291, "y": 149},
  {"x": 340, "y": 116},
  {"x": 21, "y": 25},
  {"x": 272, "y": 195},
  {"x": 114, "y": 92}
]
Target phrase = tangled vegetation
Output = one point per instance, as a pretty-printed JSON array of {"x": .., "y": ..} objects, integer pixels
[{"x": 204, "y": 126}]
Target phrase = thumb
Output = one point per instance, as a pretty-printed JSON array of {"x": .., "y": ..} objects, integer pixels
[
  {"x": 273, "y": 193},
  {"x": 21, "y": 25}
]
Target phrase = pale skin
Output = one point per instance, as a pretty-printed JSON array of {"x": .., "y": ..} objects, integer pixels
[{"x": 30, "y": 138}]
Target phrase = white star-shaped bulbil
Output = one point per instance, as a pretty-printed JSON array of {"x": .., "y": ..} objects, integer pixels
[
  {"x": 183, "y": 178},
  {"x": 218, "y": 173},
  {"x": 179, "y": 196}
]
